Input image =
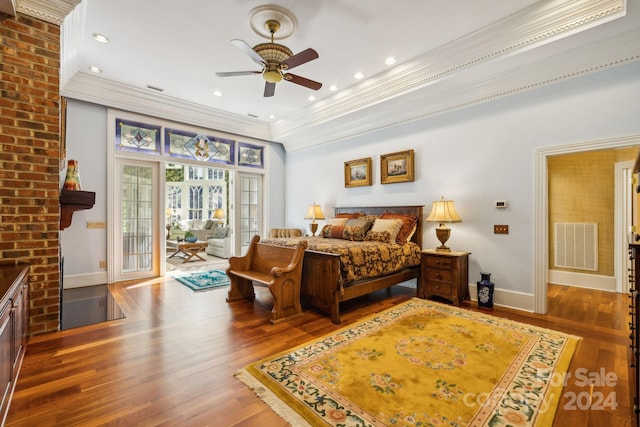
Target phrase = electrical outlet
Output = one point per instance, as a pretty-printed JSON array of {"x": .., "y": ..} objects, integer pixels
[
  {"x": 103, "y": 264},
  {"x": 500, "y": 229}
]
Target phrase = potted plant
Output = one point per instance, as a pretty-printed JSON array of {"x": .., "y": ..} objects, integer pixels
[{"x": 190, "y": 237}]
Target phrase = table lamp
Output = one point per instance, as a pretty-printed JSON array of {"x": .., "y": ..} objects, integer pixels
[
  {"x": 219, "y": 215},
  {"x": 443, "y": 211},
  {"x": 314, "y": 212}
]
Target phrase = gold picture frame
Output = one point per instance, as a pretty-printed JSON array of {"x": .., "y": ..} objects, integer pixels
[
  {"x": 357, "y": 173},
  {"x": 397, "y": 167}
]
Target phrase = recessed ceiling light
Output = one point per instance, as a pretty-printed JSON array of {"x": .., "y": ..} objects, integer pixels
[
  {"x": 217, "y": 93},
  {"x": 272, "y": 116},
  {"x": 390, "y": 60},
  {"x": 358, "y": 76},
  {"x": 333, "y": 88},
  {"x": 311, "y": 98},
  {"x": 95, "y": 70},
  {"x": 100, "y": 38}
]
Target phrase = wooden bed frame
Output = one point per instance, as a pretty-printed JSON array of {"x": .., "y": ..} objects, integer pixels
[{"x": 321, "y": 271}]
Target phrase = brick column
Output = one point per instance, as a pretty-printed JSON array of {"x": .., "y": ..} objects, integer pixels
[{"x": 30, "y": 153}]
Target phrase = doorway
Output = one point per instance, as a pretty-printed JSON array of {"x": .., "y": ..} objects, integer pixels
[
  {"x": 134, "y": 253},
  {"x": 250, "y": 208},
  {"x": 541, "y": 206}
]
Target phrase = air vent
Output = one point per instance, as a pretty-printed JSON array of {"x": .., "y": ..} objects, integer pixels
[
  {"x": 576, "y": 245},
  {"x": 158, "y": 89}
]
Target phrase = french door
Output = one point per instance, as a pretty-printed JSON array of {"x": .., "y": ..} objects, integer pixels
[
  {"x": 136, "y": 244},
  {"x": 249, "y": 216}
]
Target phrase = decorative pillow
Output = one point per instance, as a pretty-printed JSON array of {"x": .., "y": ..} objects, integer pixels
[
  {"x": 348, "y": 215},
  {"x": 220, "y": 232},
  {"x": 378, "y": 236},
  {"x": 337, "y": 221},
  {"x": 365, "y": 224},
  {"x": 408, "y": 225},
  {"x": 343, "y": 232},
  {"x": 391, "y": 225},
  {"x": 208, "y": 224}
]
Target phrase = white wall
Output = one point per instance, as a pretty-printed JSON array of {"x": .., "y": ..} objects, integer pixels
[
  {"x": 476, "y": 156},
  {"x": 84, "y": 248}
]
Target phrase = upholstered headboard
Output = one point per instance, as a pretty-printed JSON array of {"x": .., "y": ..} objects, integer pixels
[{"x": 379, "y": 210}]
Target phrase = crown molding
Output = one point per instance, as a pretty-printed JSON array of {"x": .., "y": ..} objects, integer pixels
[
  {"x": 52, "y": 11},
  {"x": 471, "y": 89},
  {"x": 86, "y": 87},
  {"x": 528, "y": 29}
]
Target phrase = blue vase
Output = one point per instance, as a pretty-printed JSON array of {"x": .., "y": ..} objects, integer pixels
[
  {"x": 485, "y": 290},
  {"x": 191, "y": 239}
]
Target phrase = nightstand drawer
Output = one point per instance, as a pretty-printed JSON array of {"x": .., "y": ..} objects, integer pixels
[
  {"x": 442, "y": 275},
  {"x": 438, "y": 262},
  {"x": 439, "y": 288}
]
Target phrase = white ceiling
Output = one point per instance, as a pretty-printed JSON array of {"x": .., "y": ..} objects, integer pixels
[
  {"x": 449, "y": 54},
  {"x": 181, "y": 48}
]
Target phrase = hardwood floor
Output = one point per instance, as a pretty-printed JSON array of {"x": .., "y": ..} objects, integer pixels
[{"x": 170, "y": 361}]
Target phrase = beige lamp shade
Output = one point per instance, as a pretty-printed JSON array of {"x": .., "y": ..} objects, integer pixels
[
  {"x": 218, "y": 214},
  {"x": 314, "y": 212},
  {"x": 443, "y": 211}
]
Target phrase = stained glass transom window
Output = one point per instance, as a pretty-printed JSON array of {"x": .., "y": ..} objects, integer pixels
[
  {"x": 137, "y": 136},
  {"x": 250, "y": 155},
  {"x": 204, "y": 148}
]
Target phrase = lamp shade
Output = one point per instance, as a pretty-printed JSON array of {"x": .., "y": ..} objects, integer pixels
[
  {"x": 314, "y": 212},
  {"x": 443, "y": 211},
  {"x": 218, "y": 214}
]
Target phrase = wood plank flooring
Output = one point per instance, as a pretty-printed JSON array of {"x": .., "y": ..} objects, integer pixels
[{"x": 170, "y": 362}]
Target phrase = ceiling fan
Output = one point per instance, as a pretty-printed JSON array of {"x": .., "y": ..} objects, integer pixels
[{"x": 275, "y": 59}]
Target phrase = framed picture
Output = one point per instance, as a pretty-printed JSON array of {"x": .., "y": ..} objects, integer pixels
[
  {"x": 357, "y": 172},
  {"x": 397, "y": 167},
  {"x": 250, "y": 155}
]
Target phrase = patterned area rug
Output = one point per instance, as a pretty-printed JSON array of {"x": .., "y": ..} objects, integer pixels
[
  {"x": 204, "y": 280},
  {"x": 420, "y": 363}
]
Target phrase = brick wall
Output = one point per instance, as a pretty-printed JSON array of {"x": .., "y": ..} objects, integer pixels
[{"x": 30, "y": 160}]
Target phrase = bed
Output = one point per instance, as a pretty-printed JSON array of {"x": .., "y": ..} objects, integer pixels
[{"x": 328, "y": 279}]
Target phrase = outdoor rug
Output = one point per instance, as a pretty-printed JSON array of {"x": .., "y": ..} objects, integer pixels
[
  {"x": 420, "y": 363},
  {"x": 204, "y": 280}
]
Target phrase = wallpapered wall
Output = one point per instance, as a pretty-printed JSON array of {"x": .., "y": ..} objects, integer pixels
[{"x": 581, "y": 189}]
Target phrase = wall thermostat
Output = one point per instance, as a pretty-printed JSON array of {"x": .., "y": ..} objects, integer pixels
[{"x": 501, "y": 204}]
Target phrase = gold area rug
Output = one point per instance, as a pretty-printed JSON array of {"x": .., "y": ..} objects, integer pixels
[{"x": 420, "y": 363}]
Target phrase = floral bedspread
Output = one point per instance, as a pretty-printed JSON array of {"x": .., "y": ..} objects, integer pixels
[{"x": 360, "y": 259}]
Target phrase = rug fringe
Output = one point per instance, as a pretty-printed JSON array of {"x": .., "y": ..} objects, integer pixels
[{"x": 268, "y": 397}]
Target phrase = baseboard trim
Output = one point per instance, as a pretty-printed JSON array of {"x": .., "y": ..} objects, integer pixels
[
  {"x": 581, "y": 280},
  {"x": 82, "y": 280},
  {"x": 506, "y": 298}
]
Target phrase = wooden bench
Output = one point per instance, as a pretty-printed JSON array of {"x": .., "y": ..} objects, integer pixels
[{"x": 277, "y": 267}]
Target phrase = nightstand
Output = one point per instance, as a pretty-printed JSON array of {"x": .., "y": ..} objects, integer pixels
[{"x": 444, "y": 274}]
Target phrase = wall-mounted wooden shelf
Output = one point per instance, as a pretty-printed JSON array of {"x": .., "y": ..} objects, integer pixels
[{"x": 71, "y": 201}]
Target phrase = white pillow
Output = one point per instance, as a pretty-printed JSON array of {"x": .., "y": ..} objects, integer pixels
[
  {"x": 392, "y": 226},
  {"x": 337, "y": 221}
]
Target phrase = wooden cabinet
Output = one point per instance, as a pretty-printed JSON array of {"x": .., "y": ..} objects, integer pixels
[
  {"x": 444, "y": 274},
  {"x": 14, "y": 318}
]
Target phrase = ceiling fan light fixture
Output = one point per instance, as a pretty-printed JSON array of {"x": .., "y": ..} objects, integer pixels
[
  {"x": 272, "y": 76},
  {"x": 273, "y": 52}
]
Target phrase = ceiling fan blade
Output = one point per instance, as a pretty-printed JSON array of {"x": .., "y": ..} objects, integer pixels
[
  {"x": 299, "y": 59},
  {"x": 269, "y": 89},
  {"x": 311, "y": 84},
  {"x": 237, "y": 73},
  {"x": 243, "y": 46}
]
